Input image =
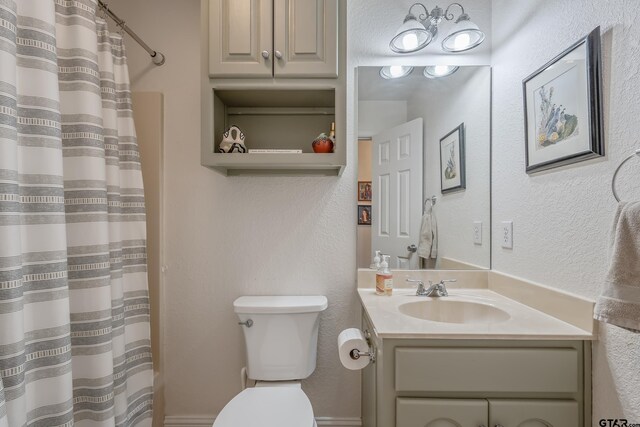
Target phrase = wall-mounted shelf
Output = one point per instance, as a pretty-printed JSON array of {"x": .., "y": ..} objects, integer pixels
[
  {"x": 274, "y": 119},
  {"x": 277, "y": 164}
]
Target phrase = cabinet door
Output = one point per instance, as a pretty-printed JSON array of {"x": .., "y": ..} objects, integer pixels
[
  {"x": 306, "y": 38},
  {"x": 239, "y": 32},
  {"x": 369, "y": 390},
  {"x": 441, "y": 412},
  {"x": 534, "y": 413}
]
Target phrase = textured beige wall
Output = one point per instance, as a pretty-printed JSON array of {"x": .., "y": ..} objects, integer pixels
[{"x": 561, "y": 218}]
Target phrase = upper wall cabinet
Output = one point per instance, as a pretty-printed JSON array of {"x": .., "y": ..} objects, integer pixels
[{"x": 273, "y": 38}]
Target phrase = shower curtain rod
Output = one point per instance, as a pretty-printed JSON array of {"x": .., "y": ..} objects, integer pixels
[{"x": 157, "y": 57}]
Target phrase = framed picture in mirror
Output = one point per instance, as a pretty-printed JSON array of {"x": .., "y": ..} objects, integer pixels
[
  {"x": 364, "y": 215},
  {"x": 364, "y": 191},
  {"x": 452, "y": 161},
  {"x": 563, "y": 108}
]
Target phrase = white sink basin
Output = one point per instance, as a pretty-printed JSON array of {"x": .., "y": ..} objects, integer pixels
[{"x": 447, "y": 311}]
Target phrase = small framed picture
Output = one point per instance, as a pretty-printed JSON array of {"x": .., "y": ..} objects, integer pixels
[
  {"x": 364, "y": 191},
  {"x": 452, "y": 166},
  {"x": 364, "y": 215},
  {"x": 563, "y": 108}
]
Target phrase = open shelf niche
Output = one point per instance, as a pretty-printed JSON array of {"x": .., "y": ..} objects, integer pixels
[{"x": 274, "y": 119}]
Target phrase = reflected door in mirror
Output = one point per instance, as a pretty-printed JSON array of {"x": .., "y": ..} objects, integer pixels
[{"x": 397, "y": 193}]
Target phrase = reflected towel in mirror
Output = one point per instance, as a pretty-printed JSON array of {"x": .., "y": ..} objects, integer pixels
[
  {"x": 428, "y": 244},
  {"x": 619, "y": 303}
]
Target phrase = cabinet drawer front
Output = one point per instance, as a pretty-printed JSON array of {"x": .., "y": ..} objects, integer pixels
[
  {"x": 535, "y": 413},
  {"x": 534, "y": 370},
  {"x": 441, "y": 412}
]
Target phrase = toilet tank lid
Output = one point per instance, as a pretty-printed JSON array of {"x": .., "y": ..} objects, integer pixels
[{"x": 279, "y": 304}]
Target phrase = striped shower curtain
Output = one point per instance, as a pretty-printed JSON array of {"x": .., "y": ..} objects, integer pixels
[{"x": 74, "y": 306}]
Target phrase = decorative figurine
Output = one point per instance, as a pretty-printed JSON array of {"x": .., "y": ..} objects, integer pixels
[
  {"x": 322, "y": 144},
  {"x": 233, "y": 141}
]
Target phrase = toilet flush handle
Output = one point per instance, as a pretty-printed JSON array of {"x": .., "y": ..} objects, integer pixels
[{"x": 248, "y": 323}]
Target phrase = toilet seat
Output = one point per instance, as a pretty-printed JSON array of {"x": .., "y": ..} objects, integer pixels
[{"x": 267, "y": 407}]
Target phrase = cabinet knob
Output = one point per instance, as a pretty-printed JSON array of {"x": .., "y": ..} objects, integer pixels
[
  {"x": 278, "y": 54},
  {"x": 265, "y": 54}
]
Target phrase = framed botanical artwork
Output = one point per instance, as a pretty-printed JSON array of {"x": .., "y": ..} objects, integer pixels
[
  {"x": 364, "y": 191},
  {"x": 452, "y": 166},
  {"x": 563, "y": 108},
  {"x": 364, "y": 215}
]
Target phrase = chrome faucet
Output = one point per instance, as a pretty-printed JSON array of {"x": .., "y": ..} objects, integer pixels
[{"x": 434, "y": 290}]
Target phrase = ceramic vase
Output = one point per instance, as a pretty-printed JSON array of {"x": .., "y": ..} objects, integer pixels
[{"x": 322, "y": 144}]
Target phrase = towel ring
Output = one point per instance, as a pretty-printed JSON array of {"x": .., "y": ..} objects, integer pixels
[
  {"x": 615, "y": 174},
  {"x": 431, "y": 199}
]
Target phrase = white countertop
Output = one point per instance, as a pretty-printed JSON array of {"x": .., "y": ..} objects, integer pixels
[{"x": 524, "y": 322}]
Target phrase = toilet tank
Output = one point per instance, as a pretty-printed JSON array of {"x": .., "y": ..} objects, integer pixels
[{"x": 282, "y": 340}]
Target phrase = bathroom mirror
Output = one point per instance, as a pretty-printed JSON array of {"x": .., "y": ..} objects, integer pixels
[{"x": 424, "y": 166}]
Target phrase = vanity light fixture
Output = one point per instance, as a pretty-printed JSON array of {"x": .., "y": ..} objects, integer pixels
[
  {"x": 411, "y": 36},
  {"x": 437, "y": 71},
  {"x": 395, "y": 71},
  {"x": 416, "y": 32}
]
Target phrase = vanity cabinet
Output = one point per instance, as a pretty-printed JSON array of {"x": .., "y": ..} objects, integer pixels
[
  {"x": 476, "y": 382},
  {"x": 486, "y": 412},
  {"x": 441, "y": 412},
  {"x": 273, "y": 38},
  {"x": 534, "y": 413}
]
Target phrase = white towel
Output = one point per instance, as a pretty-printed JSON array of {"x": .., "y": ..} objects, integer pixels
[
  {"x": 619, "y": 303},
  {"x": 428, "y": 243}
]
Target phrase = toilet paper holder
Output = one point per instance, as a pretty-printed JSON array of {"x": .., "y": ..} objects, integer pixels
[{"x": 356, "y": 354}]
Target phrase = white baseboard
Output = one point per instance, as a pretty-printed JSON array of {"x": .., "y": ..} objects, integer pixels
[{"x": 204, "y": 420}]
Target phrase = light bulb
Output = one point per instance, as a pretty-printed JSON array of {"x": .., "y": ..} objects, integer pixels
[
  {"x": 410, "y": 41},
  {"x": 396, "y": 70},
  {"x": 441, "y": 70},
  {"x": 462, "y": 41},
  {"x": 437, "y": 71}
]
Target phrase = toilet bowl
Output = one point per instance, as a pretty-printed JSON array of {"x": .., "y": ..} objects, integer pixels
[
  {"x": 268, "y": 405},
  {"x": 281, "y": 337}
]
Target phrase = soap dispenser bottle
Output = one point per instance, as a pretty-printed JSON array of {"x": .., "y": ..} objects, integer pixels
[
  {"x": 384, "y": 278},
  {"x": 376, "y": 261}
]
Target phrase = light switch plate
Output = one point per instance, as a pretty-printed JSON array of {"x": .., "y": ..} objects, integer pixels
[
  {"x": 507, "y": 234},
  {"x": 477, "y": 232}
]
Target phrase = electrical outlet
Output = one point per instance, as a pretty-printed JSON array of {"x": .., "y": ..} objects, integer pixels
[
  {"x": 507, "y": 234},
  {"x": 477, "y": 232}
]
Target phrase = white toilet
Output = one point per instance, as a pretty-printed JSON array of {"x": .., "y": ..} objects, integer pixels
[{"x": 281, "y": 336}]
